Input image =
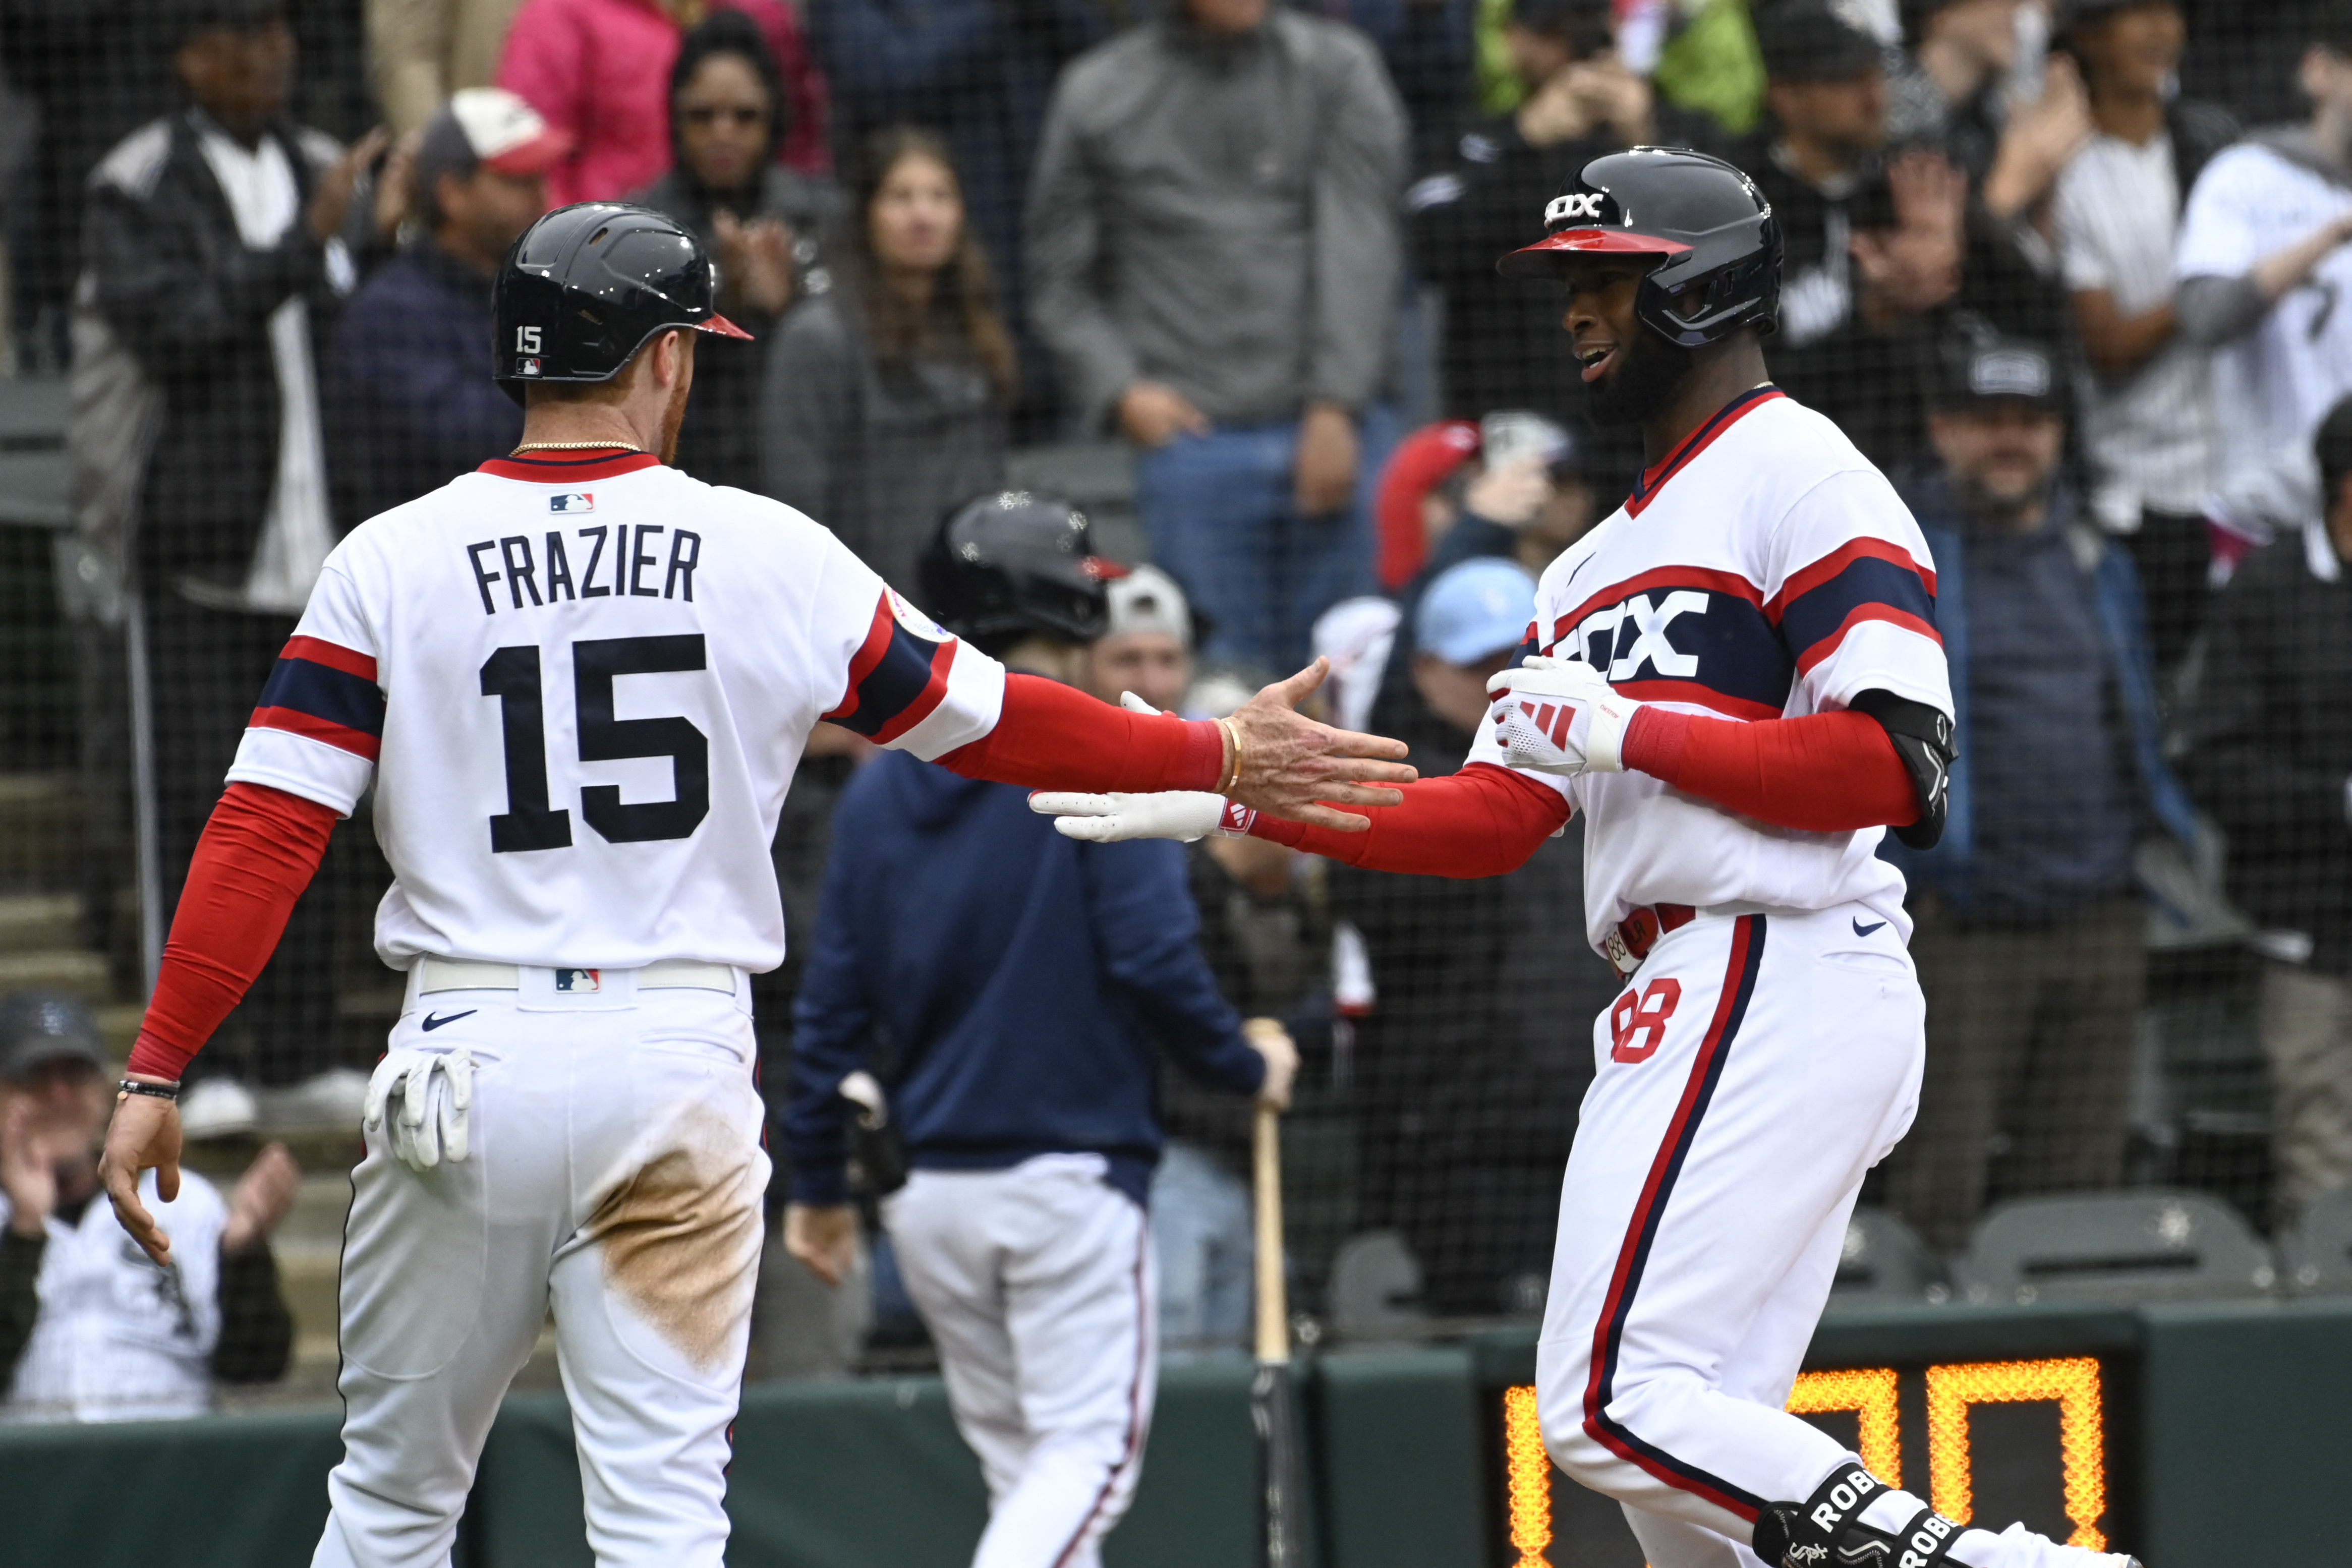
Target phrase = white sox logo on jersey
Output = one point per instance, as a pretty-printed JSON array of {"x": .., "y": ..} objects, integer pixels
[
  {"x": 1711, "y": 638},
  {"x": 1689, "y": 634}
]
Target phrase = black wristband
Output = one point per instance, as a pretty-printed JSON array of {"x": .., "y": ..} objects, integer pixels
[{"x": 160, "y": 1090}]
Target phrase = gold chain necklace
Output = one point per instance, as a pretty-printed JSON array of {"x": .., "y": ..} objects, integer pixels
[{"x": 574, "y": 446}]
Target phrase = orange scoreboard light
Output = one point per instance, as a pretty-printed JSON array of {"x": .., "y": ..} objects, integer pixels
[{"x": 2044, "y": 1466}]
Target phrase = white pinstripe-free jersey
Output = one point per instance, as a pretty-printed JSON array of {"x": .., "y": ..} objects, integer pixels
[{"x": 1764, "y": 569}]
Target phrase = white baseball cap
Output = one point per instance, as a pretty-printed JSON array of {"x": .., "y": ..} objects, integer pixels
[
  {"x": 1147, "y": 599},
  {"x": 488, "y": 126}
]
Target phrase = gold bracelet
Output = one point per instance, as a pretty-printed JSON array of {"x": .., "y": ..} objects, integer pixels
[{"x": 1233, "y": 780}]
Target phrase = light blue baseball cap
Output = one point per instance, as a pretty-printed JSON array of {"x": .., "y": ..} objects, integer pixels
[{"x": 1475, "y": 610}]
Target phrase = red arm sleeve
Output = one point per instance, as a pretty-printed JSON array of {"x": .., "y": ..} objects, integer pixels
[
  {"x": 1826, "y": 773},
  {"x": 1482, "y": 822},
  {"x": 258, "y": 852},
  {"x": 1049, "y": 736}
]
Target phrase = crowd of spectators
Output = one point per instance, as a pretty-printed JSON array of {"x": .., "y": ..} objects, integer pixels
[{"x": 2088, "y": 323}]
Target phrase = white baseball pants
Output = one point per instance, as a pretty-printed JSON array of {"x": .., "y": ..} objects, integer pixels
[
  {"x": 1038, "y": 1285},
  {"x": 1750, "y": 1074},
  {"x": 615, "y": 1175}
]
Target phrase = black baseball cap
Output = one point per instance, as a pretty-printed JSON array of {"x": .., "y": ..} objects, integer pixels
[
  {"x": 1987, "y": 367},
  {"x": 37, "y": 1028},
  {"x": 1813, "y": 40}
]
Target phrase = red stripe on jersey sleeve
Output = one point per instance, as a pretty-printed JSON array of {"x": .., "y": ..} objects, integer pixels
[
  {"x": 869, "y": 653},
  {"x": 334, "y": 655},
  {"x": 935, "y": 690},
  {"x": 1829, "y": 644},
  {"x": 293, "y": 721},
  {"x": 1804, "y": 581}
]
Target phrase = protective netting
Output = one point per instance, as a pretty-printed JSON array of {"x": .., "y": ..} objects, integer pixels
[{"x": 1227, "y": 284}]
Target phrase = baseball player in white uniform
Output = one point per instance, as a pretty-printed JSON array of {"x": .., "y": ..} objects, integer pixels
[
  {"x": 1736, "y": 679},
  {"x": 579, "y": 681}
]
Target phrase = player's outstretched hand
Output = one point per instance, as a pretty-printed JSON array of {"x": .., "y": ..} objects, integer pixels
[
  {"x": 144, "y": 1135},
  {"x": 1560, "y": 715},
  {"x": 1294, "y": 767},
  {"x": 824, "y": 1237}
]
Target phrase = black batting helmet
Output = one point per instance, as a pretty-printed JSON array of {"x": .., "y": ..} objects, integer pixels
[
  {"x": 1009, "y": 565},
  {"x": 1712, "y": 227},
  {"x": 586, "y": 285}
]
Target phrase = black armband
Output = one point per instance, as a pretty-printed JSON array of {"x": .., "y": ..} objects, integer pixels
[{"x": 1922, "y": 739}]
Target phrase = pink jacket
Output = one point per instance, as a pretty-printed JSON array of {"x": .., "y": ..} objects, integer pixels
[{"x": 600, "y": 71}]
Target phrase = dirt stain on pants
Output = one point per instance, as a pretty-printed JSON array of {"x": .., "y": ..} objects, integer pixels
[{"x": 681, "y": 1238}]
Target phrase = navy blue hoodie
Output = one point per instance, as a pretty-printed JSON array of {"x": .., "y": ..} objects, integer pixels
[{"x": 1022, "y": 982}]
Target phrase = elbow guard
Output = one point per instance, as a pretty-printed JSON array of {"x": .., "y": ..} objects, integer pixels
[{"x": 1922, "y": 739}]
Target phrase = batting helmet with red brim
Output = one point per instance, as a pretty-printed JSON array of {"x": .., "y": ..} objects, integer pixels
[{"x": 1713, "y": 232}]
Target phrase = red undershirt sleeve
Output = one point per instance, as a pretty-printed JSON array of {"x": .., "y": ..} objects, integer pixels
[
  {"x": 258, "y": 852},
  {"x": 1051, "y": 736},
  {"x": 1825, "y": 773},
  {"x": 1482, "y": 822}
]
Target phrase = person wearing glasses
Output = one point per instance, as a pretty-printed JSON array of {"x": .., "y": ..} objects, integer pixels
[{"x": 769, "y": 225}]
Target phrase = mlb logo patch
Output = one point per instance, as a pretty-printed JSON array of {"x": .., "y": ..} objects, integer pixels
[
  {"x": 579, "y": 980},
  {"x": 527, "y": 367},
  {"x": 581, "y": 501}
]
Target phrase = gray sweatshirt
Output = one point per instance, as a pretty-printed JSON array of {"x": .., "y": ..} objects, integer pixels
[
  {"x": 1219, "y": 213},
  {"x": 876, "y": 453}
]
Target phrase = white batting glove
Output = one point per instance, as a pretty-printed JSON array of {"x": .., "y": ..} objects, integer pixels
[
  {"x": 1182, "y": 814},
  {"x": 434, "y": 1089},
  {"x": 1560, "y": 715}
]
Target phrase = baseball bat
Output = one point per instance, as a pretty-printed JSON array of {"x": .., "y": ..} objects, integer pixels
[{"x": 1280, "y": 1500}]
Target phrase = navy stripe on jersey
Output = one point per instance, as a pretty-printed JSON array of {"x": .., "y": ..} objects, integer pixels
[
  {"x": 898, "y": 677},
  {"x": 1609, "y": 1334},
  {"x": 326, "y": 692},
  {"x": 1867, "y": 581},
  {"x": 1694, "y": 644}
]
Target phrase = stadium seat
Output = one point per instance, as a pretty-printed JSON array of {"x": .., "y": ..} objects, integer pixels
[
  {"x": 2319, "y": 1250},
  {"x": 1883, "y": 1263},
  {"x": 2148, "y": 1245},
  {"x": 1375, "y": 1288}
]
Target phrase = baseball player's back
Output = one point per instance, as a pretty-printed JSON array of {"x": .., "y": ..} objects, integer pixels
[
  {"x": 583, "y": 683},
  {"x": 580, "y": 683}
]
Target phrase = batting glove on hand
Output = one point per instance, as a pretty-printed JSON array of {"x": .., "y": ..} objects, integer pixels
[
  {"x": 1185, "y": 814},
  {"x": 1560, "y": 715},
  {"x": 435, "y": 1090}
]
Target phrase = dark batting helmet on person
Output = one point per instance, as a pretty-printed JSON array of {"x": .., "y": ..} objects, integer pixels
[
  {"x": 586, "y": 285},
  {"x": 1720, "y": 247},
  {"x": 1009, "y": 565}
]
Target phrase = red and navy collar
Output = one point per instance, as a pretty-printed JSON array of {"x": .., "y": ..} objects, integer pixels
[
  {"x": 607, "y": 462},
  {"x": 1654, "y": 478}
]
